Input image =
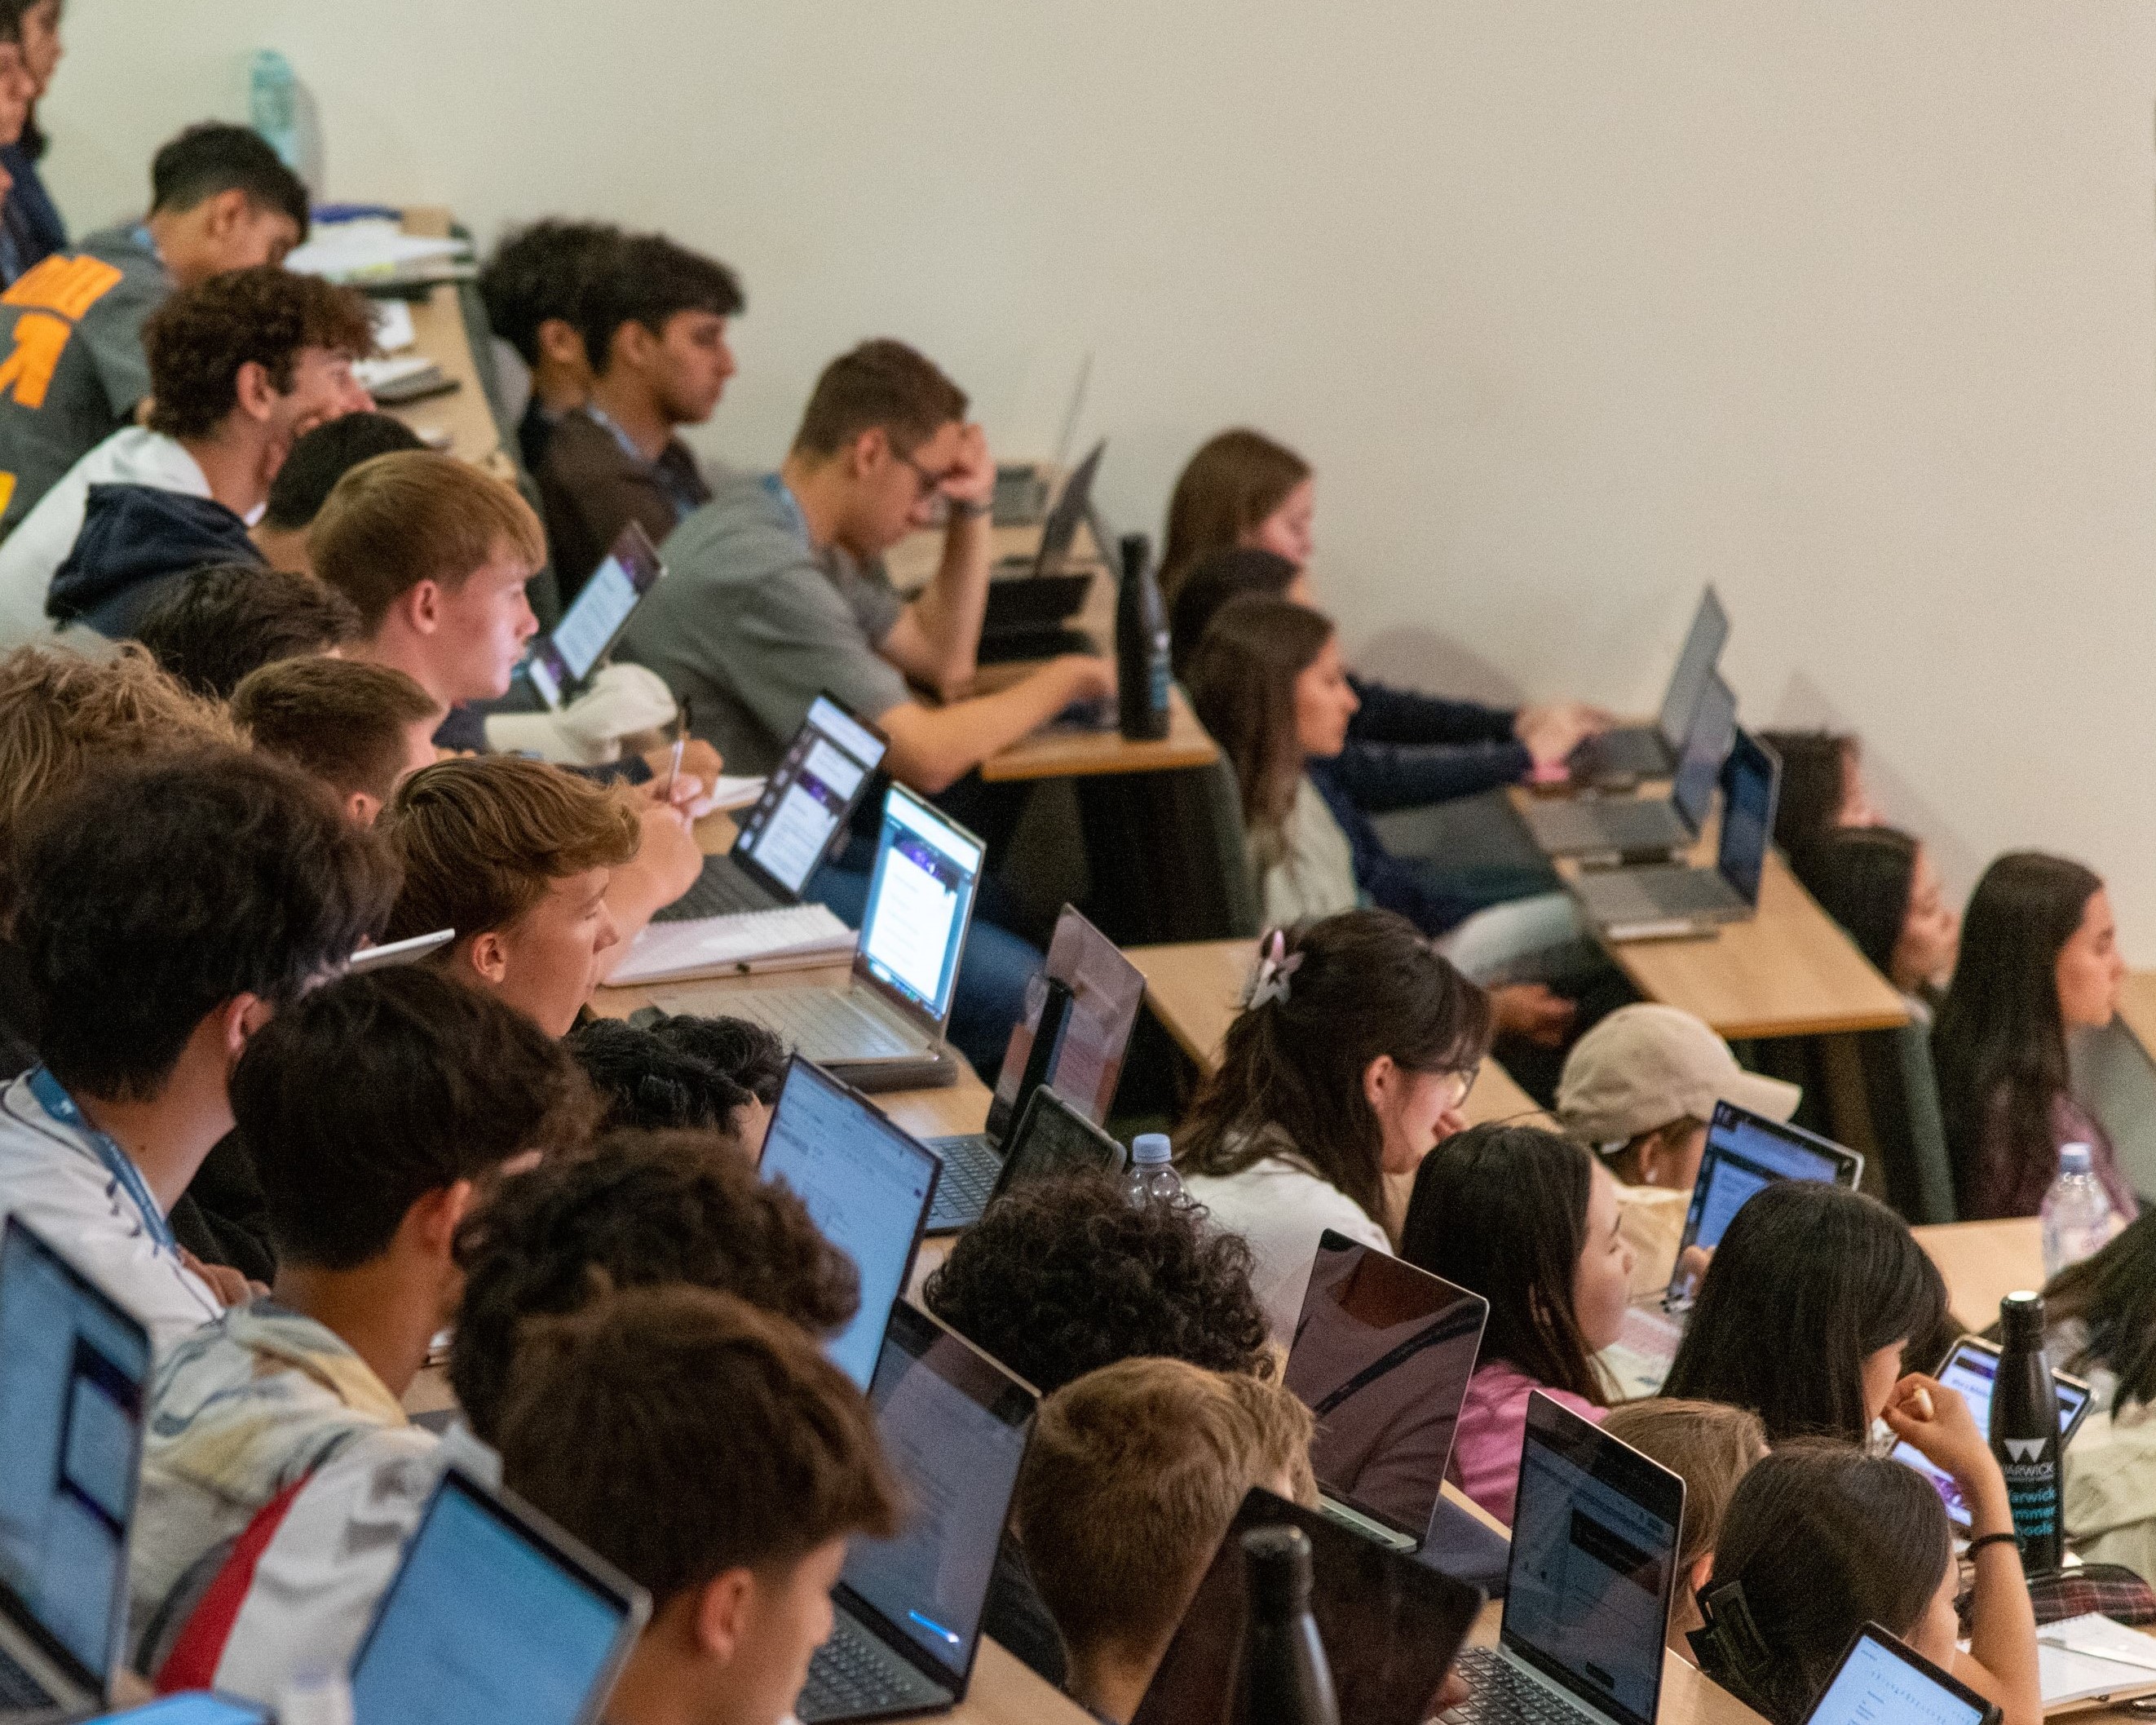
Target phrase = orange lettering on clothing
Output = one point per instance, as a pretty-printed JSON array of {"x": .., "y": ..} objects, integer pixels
[
  {"x": 67, "y": 285},
  {"x": 28, "y": 369}
]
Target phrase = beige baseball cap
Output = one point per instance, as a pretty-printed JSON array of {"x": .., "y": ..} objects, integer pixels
[{"x": 1645, "y": 1066}]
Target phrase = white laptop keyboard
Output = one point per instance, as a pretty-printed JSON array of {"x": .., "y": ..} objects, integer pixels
[{"x": 827, "y": 1026}]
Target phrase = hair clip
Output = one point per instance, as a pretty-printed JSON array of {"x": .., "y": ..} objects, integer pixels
[
  {"x": 1269, "y": 975},
  {"x": 1733, "y": 1629}
]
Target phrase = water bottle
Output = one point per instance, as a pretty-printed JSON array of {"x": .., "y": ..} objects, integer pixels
[
  {"x": 2076, "y": 1212},
  {"x": 314, "y": 1698},
  {"x": 272, "y": 105},
  {"x": 1141, "y": 666},
  {"x": 1282, "y": 1678},
  {"x": 1152, "y": 1178},
  {"x": 2025, "y": 1430}
]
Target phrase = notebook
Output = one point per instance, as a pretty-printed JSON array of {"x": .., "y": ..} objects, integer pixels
[{"x": 2083, "y": 1661}]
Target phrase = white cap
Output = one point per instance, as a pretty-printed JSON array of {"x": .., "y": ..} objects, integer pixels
[{"x": 1645, "y": 1066}]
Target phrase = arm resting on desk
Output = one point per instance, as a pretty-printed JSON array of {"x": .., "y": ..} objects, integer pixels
[{"x": 932, "y": 748}]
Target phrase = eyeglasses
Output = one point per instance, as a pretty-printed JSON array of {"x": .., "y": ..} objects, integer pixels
[
  {"x": 926, "y": 484},
  {"x": 1466, "y": 1086}
]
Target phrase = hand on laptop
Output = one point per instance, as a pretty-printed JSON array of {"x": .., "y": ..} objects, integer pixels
[
  {"x": 1532, "y": 1010},
  {"x": 1554, "y": 730}
]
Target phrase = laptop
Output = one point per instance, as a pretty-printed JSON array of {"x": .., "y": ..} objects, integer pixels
[
  {"x": 1633, "y": 753},
  {"x": 1032, "y": 599},
  {"x": 1053, "y": 1138},
  {"x": 1381, "y": 1357},
  {"x": 866, "y": 1185},
  {"x": 1079, "y": 1012},
  {"x": 907, "y": 1610},
  {"x": 1587, "y": 1588},
  {"x": 1391, "y": 1626},
  {"x": 1972, "y": 1367},
  {"x": 1883, "y": 1681},
  {"x": 563, "y": 660},
  {"x": 494, "y": 1617},
  {"x": 1745, "y": 1152},
  {"x": 884, "y": 1029},
  {"x": 806, "y": 803},
  {"x": 1674, "y": 900},
  {"x": 75, "y": 1377},
  {"x": 1621, "y": 828}
]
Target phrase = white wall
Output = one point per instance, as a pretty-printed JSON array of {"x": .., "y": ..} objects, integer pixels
[{"x": 1848, "y": 307}]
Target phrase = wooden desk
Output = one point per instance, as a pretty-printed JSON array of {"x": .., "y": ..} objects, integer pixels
[
  {"x": 1060, "y": 751},
  {"x": 1984, "y": 1262},
  {"x": 464, "y": 416},
  {"x": 2137, "y": 1006}
]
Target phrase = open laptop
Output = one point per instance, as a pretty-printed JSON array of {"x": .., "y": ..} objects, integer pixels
[
  {"x": 1588, "y": 1589},
  {"x": 866, "y": 1185},
  {"x": 75, "y": 1377},
  {"x": 1745, "y": 1152},
  {"x": 1637, "y": 751},
  {"x": 884, "y": 1029},
  {"x": 494, "y": 1617},
  {"x": 1883, "y": 1681},
  {"x": 1381, "y": 1355},
  {"x": 806, "y": 803},
  {"x": 563, "y": 660},
  {"x": 1972, "y": 1367},
  {"x": 907, "y": 1610},
  {"x": 1623, "y": 827},
  {"x": 1079, "y": 1012},
  {"x": 1391, "y": 1626},
  {"x": 1032, "y": 599},
  {"x": 1674, "y": 900}
]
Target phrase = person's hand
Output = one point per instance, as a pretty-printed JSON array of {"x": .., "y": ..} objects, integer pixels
[
  {"x": 1087, "y": 677},
  {"x": 972, "y": 477},
  {"x": 699, "y": 770},
  {"x": 669, "y": 856},
  {"x": 1532, "y": 1010},
  {"x": 1451, "y": 1121},
  {"x": 1691, "y": 1267},
  {"x": 1453, "y": 1692},
  {"x": 1553, "y": 729},
  {"x": 1936, "y": 1422},
  {"x": 227, "y": 1284}
]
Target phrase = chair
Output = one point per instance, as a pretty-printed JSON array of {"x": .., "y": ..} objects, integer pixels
[{"x": 1902, "y": 1095}]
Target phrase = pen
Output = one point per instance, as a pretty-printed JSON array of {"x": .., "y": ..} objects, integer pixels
[{"x": 680, "y": 742}]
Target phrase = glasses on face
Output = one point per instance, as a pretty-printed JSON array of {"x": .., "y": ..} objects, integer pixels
[
  {"x": 926, "y": 484},
  {"x": 1465, "y": 1081}
]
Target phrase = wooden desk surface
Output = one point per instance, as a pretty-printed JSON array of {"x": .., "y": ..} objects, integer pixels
[
  {"x": 437, "y": 326},
  {"x": 1984, "y": 1262},
  {"x": 2137, "y": 1005}
]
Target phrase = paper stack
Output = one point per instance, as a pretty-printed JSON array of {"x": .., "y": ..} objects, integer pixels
[
  {"x": 2082, "y": 1660},
  {"x": 783, "y": 939}
]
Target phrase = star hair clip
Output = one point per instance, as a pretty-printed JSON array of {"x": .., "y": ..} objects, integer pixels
[{"x": 1268, "y": 978}]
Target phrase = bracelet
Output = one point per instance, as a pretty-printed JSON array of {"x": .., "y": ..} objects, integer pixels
[{"x": 2007, "y": 1538}]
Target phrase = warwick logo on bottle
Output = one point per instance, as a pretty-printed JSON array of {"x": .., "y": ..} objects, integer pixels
[
  {"x": 2026, "y": 1449},
  {"x": 2025, "y": 1430}
]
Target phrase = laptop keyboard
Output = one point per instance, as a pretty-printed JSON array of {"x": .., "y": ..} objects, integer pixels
[
  {"x": 854, "y": 1675},
  {"x": 970, "y": 1167},
  {"x": 825, "y": 1026},
  {"x": 1683, "y": 892},
  {"x": 18, "y": 1687},
  {"x": 720, "y": 891},
  {"x": 1632, "y": 752},
  {"x": 1503, "y": 1694}
]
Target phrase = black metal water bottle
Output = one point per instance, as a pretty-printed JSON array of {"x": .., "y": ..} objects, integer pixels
[
  {"x": 2024, "y": 1432},
  {"x": 1282, "y": 1678},
  {"x": 1142, "y": 666}
]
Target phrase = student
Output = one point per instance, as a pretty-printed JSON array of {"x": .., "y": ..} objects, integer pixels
[
  {"x": 2039, "y": 956},
  {"x": 18, "y": 95},
  {"x": 534, "y": 288},
  {"x": 241, "y": 365},
  {"x": 220, "y": 623},
  {"x": 1880, "y": 885},
  {"x": 1816, "y": 1297},
  {"x": 653, "y": 320},
  {"x": 738, "y": 1463},
  {"x": 219, "y": 200},
  {"x": 360, "y": 729},
  {"x": 378, "y": 1111},
  {"x": 1711, "y": 1448},
  {"x": 1639, "y": 1089},
  {"x": 2102, "y": 1315},
  {"x": 1353, "y": 1053},
  {"x": 318, "y": 460},
  {"x": 1822, "y": 1539},
  {"x": 1822, "y": 789},
  {"x": 1134, "y": 1473},
  {"x": 1528, "y": 1221},
  {"x": 165, "y": 913},
  {"x": 34, "y": 229},
  {"x": 645, "y": 1080}
]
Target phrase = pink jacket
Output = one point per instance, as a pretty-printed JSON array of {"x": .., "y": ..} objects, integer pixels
[{"x": 1493, "y": 1426}]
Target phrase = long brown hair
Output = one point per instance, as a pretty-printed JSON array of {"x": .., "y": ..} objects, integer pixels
[
  {"x": 1233, "y": 483},
  {"x": 1241, "y": 684},
  {"x": 1364, "y": 984}
]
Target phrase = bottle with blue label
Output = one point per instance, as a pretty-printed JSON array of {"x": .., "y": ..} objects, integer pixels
[
  {"x": 272, "y": 105},
  {"x": 2024, "y": 1432},
  {"x": 1142, "y": 664}
]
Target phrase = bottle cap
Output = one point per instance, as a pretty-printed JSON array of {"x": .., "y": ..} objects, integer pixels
[
  {"x": 1276, "y": 1570},
  {"x": 1151, "y": 1150},
  {"x": 2021, "y": 1318},
  {"x": 2076, "y": 1158}
]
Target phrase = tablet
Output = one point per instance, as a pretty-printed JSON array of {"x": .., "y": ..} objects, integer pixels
[
  {"x": 1971, "y": 1366},
  {"x": 566, "y": 655},
  {"x": 1883, "y": 1680}
]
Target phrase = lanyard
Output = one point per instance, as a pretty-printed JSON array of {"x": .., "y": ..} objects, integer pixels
[
  {"x": 57, "y": 1102},
  {"x": 783, "y": 495}
]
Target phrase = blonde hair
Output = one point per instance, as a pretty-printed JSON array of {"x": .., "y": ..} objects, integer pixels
[
  {"x": 1133, "y": 1475},
  {"x": 1709, "y": 1447},
  {"x": 414, "y": 515},
  {"x": 1229, "y": 487}
]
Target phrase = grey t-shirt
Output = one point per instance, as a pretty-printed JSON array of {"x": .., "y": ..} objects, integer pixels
[
  {"x": 71, "y": 331},
  {"x": 752, "y": 622}
]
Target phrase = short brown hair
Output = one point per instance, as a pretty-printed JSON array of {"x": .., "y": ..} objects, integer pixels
[
  {"x": 480, "y": 838},
  {"x": 197, "y": 341},
  {"x": 415, "y": 515},
  {"x": 341, "y": 720},
  {"x": 1230, "y": 486},
  {"x": 1709, "y": 1447},
  {"x": 226, "y": 619},
  {"x": 881, "y": 385},
  {"x": 1132, "y": 1477},
  {"x": 729, "y": 1440}
]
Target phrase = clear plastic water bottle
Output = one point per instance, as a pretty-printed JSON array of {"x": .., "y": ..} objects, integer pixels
[
  {"x": 273, "y": 108},
  {"x": 1152, "y": 1178},
  {"x": 2076, "y": 1212}
]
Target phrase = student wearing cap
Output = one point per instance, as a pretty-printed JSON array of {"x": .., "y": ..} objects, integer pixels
[{"x": 1641, "y": 1088}]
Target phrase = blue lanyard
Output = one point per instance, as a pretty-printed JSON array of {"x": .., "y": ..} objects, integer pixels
[
  {"x": 783, "y": 495},
  {"x": 57, "y": 1102}
]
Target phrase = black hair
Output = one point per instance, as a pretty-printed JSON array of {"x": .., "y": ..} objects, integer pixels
[
  {"x": 221, "y": 622},
  {"x": 752, "y": 1056},
  {"x": 1239, "y": 572},
  {"x": 149, "y": 895},
  {"x": 648, "y": 278},
  {"x": 1862, "y": 877},
  {"x": 1064, "y": 1274},
  {"x": 324, "y": 456},
  {"x": 540, "y": 273},
  {"x": 1815, "y": 769},
  {"x": 1809, "y": 1281},
  {"x": 648, "y": 1082},
  {"x": 2113, "y": 1295},
  {"x": 378, "y": 1088},
  {"x": 1502, "y": 1211},
  {"x": 213, "y": 157}
]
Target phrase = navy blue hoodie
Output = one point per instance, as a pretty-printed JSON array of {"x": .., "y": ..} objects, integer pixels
[{"x": 135, "y": 542}]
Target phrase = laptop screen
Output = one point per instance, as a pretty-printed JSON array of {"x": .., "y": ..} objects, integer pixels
[
  {"x": 1106, "y": 991},
  {"x": 919, "y": 900},
  {"x": 74, "y": 1369},
  {"x": 564, "y": 657},
  {"x": 1750, "y": 780},
  {"x": 1059, "y": 532},
  {"x": 1053, "y": 1138},
  {"x": 867, "y": 1187},
  {"x": 954, "y": 1424},
  {"x": 809, "y": 795},
  {"x": 1706, "y": 748},
  {"x": 1971, "y": 1369},
  {"x": 1595, "y": 1556},
  {"x": 1381, "y": 1356},
  {"x": 492, "y": 1619},
  {"x": 1880, "y": 1682},
  {"x": 1696, "y": 663},
  {"x": 1746, "y": 1151}
]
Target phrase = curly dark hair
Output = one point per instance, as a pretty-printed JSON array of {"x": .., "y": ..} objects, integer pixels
[
  {"x": 753, "y": 1057},
  {"x": 227, "y": 619},
  {"x": 197, "y": 341},
  {"x": 646, "y": 1080},
  {"x": 637, "y": 1209},
  {"x": 1064, "y": 1275}
]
